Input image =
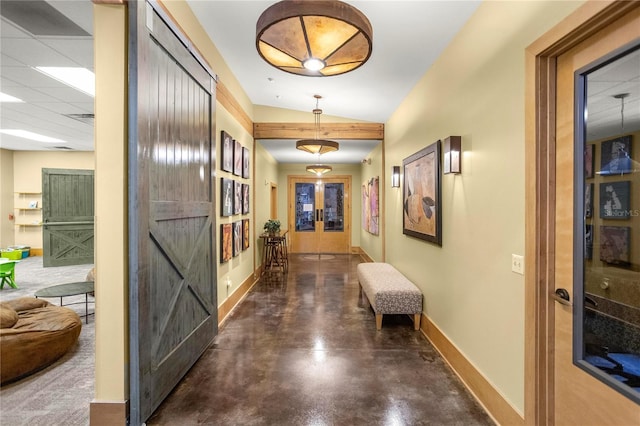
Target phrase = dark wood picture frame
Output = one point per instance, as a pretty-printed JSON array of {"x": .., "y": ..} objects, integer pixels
[
  {"x": 245, "y": 198},
  {"x": 237, "y": 237},
  {"x": 237, "y": 158},
  {"x": 227, "y": 151},
  {"x": 245, "y": 163},
  {"x": 245, "y": 234},
  {"x": 226, "y": 197},
  {"x": 226, "y": 243},
  {"x": 422, "y": 209},
  {"x": 237, "y": 197},
  {"x": 589, "y": 160}
]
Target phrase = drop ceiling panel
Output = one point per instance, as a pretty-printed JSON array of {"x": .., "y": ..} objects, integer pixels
[{"x": 34, "y": 53}]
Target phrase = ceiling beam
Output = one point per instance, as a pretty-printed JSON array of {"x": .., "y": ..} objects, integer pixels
[{"x": 363, "y": 131}]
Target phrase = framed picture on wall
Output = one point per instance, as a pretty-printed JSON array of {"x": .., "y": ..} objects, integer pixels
[
  {"x": 614, "y": 245},
  {"x": 237, "y": 159},
  {"x": 588, "y": 200},
  {"x": 237, "y": 198},
  {"x": 245, "y": 163},
  {"x": 245, "y": 234},
  {"x": 237, "y": 237},
  {"x": 588, "y": 161},
  {"x": 615, "y": 156},
  {"x": 245, "y": 198},
  {"x": 226, "y": 197},
  {"x": 588, "y": 241},
  {"x": 227, "y": 151},
  {"x": 615, "y": 200},
  {"x": 226, "y": 243},
  {"x": 422, "y": 210}
]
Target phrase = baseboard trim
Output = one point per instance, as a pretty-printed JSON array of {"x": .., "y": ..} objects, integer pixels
[
  {"x": 108, "y": 413},
  {"x": 237, "y": 296},
  {"x": 365, "y": 257},
  {"x": 498, "y": 408}
]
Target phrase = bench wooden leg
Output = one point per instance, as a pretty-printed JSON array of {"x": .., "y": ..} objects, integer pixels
[
  {"x": 416, "y": 321},
  {"x": 378, "y": 321}
]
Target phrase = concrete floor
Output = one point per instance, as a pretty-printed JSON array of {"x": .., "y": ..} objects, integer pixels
[{"x": 302, "y": 349}]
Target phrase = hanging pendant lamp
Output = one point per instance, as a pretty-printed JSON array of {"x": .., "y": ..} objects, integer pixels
[
  {"x": 317, "y": 146},
  {"x": 319, "y": 169},
  {"x": 314, "y": 38}
]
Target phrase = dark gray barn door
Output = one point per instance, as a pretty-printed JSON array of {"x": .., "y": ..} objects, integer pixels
[
  {"x": 172, "y": 264},
  {"x": 67, "y": 217}
]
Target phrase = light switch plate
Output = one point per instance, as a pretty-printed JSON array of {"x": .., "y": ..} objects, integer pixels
[{"x": 517, "y": 264}]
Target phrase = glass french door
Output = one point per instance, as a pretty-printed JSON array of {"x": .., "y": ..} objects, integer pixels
[{"x": 320, "y": 215}]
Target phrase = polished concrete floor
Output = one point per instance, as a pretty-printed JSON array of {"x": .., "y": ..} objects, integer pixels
[{"x": 303, "y": 350}]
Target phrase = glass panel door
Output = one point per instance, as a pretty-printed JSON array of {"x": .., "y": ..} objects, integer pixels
[
  {"x": 305, "y": 220},
  {"x": 333, "y": 207}
]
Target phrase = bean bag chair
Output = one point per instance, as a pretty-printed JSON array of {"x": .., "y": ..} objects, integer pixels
[{"x": 34, "y": 334}]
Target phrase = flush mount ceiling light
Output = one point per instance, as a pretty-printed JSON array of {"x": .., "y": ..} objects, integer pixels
[
  {"x": 319, "y": 169},
  {"x": 317, "y": 146},
  {"x": 314, "y": 38}
]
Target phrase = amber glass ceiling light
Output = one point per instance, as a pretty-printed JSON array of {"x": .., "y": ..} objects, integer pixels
[
  {"x": 314, "y": 38},
  {"x": 317, "y": 146},
  {"x": 319, "y": 169}
]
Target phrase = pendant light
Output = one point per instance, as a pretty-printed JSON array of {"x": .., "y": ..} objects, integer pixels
[
  {"x": 314, "y": 38},
  {"x": 317, "y": 146},
  {"x": 319, "y": 169}
]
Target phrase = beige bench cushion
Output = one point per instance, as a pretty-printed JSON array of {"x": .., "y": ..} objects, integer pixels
[{"x": 388, "y": 291}]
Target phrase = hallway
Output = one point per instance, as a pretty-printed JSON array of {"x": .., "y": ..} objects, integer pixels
[{"x": 302, "y": 350}]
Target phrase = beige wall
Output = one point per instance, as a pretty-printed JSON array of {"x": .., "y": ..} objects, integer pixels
[
  {"x": 476, "y": 90},
  {"x": 112, "y": 347},
  {"x": 27, "y": 178},
  {"x": 266, "y": 173},
  {"x": 7, "y": 231},
  {"x": 240, "y": 267}
]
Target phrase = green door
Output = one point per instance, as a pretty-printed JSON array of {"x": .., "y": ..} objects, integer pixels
[{"x": 67, "y": 216}]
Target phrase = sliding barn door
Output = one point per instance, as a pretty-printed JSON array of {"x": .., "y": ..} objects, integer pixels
[{"x": 173, "y": 284}]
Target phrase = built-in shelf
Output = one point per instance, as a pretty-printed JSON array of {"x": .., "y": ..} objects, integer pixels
[
  {"x": 28, "y": 224},
  {"x": 28, "y": 208}
]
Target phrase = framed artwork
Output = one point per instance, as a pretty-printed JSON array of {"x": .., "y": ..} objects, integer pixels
[
  {"x": 245, "y": 163},
  {"x": 370, "y": 209},
  {"x": 237, "y": 158},
  {"x": 422, "y": 217},
  {"x": 588, "y": 200},
  {"x": 245, "y": 234},
  {"x": 614, "y": 244},
  {"x": 615, "y": 200},
  {"x": 245, "y": 198},
  {"x": 237, "y": 237},
  {"x": 588, "y": 161},
  {"x": 588, "y": 241},
  {"x": 226, "y": 197},
  {"x": 226, "y": 246},
  {"x": 615, "y": 156},
  {"x": 237, "y": 198},
  {"x": 227, "y": 151}
]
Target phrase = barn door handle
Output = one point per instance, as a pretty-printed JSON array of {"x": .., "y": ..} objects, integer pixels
[
  {"x": 317, "y": 215},
  {"x": 562, "y": 296},
  {"x": 321, "y": 215}
]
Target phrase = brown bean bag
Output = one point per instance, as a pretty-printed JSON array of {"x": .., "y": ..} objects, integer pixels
[{"x": 41, "y": 334}]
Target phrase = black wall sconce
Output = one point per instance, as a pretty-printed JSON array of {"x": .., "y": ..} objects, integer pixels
[
  {"x": 395, "y": 177},
  {"x": 452, "y": 155}
]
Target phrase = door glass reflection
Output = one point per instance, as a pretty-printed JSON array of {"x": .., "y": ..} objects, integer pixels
[
  {"x": 607, "y": 295},
  {"x": 334, "y": 207},
  {"x": 305, "y": 207}
]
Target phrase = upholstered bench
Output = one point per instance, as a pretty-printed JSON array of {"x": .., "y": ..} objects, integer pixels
[{"x": 389, "y": 292}]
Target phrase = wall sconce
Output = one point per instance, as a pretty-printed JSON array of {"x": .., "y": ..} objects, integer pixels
[
  {"x": 395, "y": 177},
  {"x": 452, "y": 155}
]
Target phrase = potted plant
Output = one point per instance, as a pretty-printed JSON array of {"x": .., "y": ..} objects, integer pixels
[{"x": 272, "y": 226}]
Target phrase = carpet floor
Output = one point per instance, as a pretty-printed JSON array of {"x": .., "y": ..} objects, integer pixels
[{"x": 59, "y": 394}]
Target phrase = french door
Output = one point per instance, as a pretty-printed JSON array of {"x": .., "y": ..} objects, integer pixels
[{"x": 319, "y": 214}]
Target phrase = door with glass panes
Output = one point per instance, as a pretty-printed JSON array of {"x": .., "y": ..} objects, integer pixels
[{"x": 319, "y": 214}]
